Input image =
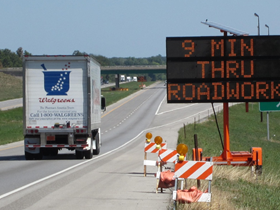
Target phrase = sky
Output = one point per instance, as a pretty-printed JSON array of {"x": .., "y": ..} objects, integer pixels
[{"x": 124, "y": 28}]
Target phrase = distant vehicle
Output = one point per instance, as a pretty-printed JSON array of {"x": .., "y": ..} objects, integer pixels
[
  {"x": 106, "y": 82},
  {"x": 122, "y": 78},
  {"x": 165, "y": 82},
  {"x": 128, "y": 79},
  {"x": 135, "y": 79},
  {"x": 62, "y": 106}
]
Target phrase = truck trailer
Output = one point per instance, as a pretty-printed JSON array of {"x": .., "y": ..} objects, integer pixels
[{"x": 62, "y": 106}]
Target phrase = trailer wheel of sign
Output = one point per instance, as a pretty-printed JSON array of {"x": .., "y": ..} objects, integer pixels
[{"x": 97, "y": 146}]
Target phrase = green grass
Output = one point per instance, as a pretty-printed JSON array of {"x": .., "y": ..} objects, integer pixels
[
  {"x": 246, "y": 131},
  {"x": 112, "y": 96},
  {"x": 10, "y": 86},
  {"x": 11, "y": 126}
]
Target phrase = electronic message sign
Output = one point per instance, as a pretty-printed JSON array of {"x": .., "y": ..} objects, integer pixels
[{"x": 223, "y": 69}]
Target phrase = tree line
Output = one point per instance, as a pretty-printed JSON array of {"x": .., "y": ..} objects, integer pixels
[
  {"x": 129, "y": 61},
  {"x": 14, "y": 59},
  {"x": 10, "y": 59}
]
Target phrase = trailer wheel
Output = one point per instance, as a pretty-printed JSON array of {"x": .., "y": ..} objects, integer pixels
[
  {"x": 258, "y": 170},
  {"x": 97, "y": 146},
  {"x": 88, "y": 153},
  {"x": 79, "y": 154},
  {"x": 38, "y": 156},
  {"x": 29, "y": 156}
]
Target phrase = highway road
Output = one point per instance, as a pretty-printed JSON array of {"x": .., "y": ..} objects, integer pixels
[{"x": 112, "y": 180}]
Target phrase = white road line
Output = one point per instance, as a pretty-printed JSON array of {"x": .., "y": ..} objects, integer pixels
[{"x": 157, "y": 112}]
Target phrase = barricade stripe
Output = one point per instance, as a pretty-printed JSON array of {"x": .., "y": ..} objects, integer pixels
[
  {"x": 148, "y": 146},
  {"x": 181, "y": 167},
  {"x": 162, "y": 151},
  {"x": 192, "y": 169},
  {"x": 207, "y": 174},
  {"x": 169, "y": 156},
  {"x": 155, "y": 151},
  {"x": 200, "y": 171},
  {"x": 151, "y": 147}
]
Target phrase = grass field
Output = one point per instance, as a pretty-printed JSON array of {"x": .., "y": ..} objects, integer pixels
[
  {"x": 11, "y": 126},
  {"x": 10, "y": 86},
  {"x": 235, "y": 187}
]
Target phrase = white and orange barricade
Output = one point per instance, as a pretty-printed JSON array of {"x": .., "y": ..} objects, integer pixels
[
  {"x": 151, "y": 148},
  {"x": 193, "y": 170},
  {"x": 164, "y": 156},
  {"x": 168, "y": 155}
]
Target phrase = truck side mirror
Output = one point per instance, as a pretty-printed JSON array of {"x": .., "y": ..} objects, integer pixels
[{"x": 103, "y": 103}]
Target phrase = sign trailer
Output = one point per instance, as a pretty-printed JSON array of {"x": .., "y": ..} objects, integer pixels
[{"x": 224, "y": 69}]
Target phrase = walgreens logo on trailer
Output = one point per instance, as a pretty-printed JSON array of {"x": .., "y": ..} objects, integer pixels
[{"x": 56, "y": 83}]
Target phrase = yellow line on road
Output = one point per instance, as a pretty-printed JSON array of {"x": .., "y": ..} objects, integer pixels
[{"x": 10, "y": 147}]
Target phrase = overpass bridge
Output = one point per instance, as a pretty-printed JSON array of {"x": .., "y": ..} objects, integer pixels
[
  {"x": 106, "y": 70},
  {"x": 133, "y": 69},
  {"x": 117, "y": 70}
]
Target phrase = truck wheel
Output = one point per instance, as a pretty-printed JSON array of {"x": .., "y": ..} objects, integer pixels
[
  {"x": 97, "y": 146},
  {"x": 88, "y": 154},
  {"x": 29, "y": 156},
  {"x": 79, "y": 154},
  {"x": 38, "y": 156}
]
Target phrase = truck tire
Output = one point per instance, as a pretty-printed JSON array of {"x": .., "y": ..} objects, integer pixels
[
  {"x": 88, "y": 154},
  {"x": 29, "y": 156},
  {"x": 38, "y": 156},
  {"x": 79, "y": 154},
  {"x": 97, "y": 146}
]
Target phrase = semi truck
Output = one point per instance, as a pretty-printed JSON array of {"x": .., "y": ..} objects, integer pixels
[
  {"x": 62, "y": 106},
  {"x": 128, "y": 79},
  {"x": 122, "y": 78}
]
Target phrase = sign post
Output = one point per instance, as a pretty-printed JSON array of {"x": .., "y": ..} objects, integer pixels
[{"x": 269, "y": 107}]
